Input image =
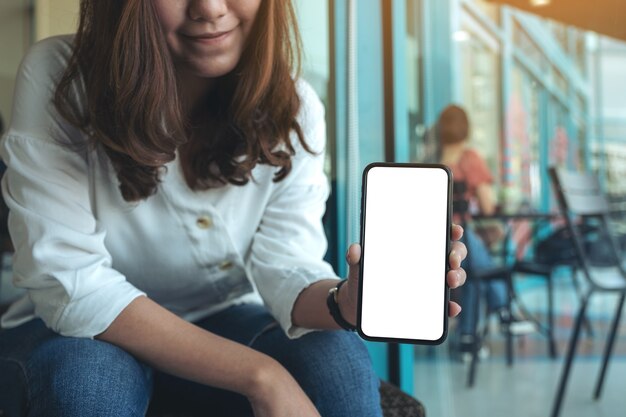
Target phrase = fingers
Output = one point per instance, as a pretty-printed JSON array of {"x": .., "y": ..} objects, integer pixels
[
  {"x": 454, "y": 309},
  {"x": 353, "y": 258},
  {"x": 353, "y": 255},
  {"x": 456, "y": 232},
  {"x": 457, "y": 254},
  {"x": 456, "y": 277}
]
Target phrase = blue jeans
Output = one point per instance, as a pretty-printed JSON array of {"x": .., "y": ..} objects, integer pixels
[
  {"x": 45, "y": 374},
  {"x": 494, "y": 291}
]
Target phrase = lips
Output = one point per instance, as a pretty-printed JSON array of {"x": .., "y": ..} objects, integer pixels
[{"x": 207, "y": 35}]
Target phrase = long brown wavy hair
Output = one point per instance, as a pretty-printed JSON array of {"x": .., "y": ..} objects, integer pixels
[{"x": 132, "y": 107}]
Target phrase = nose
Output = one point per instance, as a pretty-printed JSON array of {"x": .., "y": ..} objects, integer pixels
[{"x": 207, "y": 10}]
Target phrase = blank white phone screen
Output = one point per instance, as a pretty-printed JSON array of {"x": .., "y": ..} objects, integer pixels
[{"x": 404, "y": 253}]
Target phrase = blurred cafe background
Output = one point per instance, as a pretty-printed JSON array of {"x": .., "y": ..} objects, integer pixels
[{"x": 544, "y": 85}]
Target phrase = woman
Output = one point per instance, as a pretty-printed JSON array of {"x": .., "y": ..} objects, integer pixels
[
  {"x": 165, "y": 180},
  {"x": 470, "y": 169}
]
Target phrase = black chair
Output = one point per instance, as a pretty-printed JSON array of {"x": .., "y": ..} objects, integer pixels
[
  {"x": 544, "y": 260},
  {"x": 479, "y": 276},
  {"x": 525, "y": 229},
  {"x": 581, "y": 201},
  {"x": 460, "y": 208}
]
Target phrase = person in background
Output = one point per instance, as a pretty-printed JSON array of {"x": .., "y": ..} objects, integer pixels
[
  {"x": 472, "y": 175},
  {"x": 166, "y": 186}
]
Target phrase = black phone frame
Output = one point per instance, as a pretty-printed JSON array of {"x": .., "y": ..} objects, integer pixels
[{"x": 363, "y": 251}]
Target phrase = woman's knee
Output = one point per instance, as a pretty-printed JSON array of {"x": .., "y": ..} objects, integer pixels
[
  {"x": 346, "y": 384},
  {"x": 343, "y": 355},
  {"x": 72, "y": 377}
]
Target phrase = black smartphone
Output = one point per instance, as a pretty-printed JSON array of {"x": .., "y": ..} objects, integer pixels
[{"x": 406, "y": 216}]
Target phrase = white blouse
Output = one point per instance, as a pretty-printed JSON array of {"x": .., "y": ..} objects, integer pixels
[{"x": 83, "y": 253}]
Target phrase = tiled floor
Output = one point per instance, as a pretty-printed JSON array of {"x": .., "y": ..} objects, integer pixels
[{"x": 527, "y": 388}]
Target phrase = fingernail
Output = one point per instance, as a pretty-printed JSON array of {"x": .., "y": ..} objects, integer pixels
[{"x": 458, "y": 278}]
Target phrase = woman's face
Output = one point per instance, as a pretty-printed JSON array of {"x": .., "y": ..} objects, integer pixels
[{"x": 206, "y": 37}]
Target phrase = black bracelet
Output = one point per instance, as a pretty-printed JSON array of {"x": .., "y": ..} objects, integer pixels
[{"x": 333, "y": 307}]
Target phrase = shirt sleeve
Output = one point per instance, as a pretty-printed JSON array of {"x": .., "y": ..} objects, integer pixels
[
  {"x": 60, "y": 256},
  {"x": 289, "y": 246}
]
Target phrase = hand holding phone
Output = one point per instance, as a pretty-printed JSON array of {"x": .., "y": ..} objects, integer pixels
[{"x": 405, "y": 239}]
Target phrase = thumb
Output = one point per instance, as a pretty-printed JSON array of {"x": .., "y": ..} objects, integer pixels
[{"x": 353, "y": 257}]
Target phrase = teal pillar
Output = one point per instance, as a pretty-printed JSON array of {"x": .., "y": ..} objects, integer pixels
[
  {"x": 339, "y": 47},
  {"x": 400, "y": 94},
  {"x": 371, "y": 115},
  {"x": 438, "y": 75},
  {"x": 370, "y": 111}
]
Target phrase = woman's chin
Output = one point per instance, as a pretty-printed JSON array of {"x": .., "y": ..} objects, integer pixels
[{"x": 214, "y": 69}]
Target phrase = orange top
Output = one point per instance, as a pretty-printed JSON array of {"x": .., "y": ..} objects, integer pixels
[{"x": 472, "y": 169}]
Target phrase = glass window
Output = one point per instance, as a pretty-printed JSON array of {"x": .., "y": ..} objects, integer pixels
[
  {"x": 481, "y": 99},
  {"x": 581, "y": 103},
  {"x": 560, "y": 82},
  {"x": 529, "y": 48},
  {"x": 15, "y": 28},
  {"x": 560, "y": 141},
  {"x": 314, "y": 24},
  {"x": 560, "y": 34},
  {"x": 490, "y": 9},
  {"x": 580, "y": 51},
  {"x": 313, "y": 21},
  {"x": 314, "y": 29},
  {"x": 581, "y": 147},
  {"x": 615, "y": 157},
  {"x": 614, "y": 129},
  {"x": 522, "y": 149}
]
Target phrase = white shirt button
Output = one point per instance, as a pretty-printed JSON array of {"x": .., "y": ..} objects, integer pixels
[
  {"x": 226, "y": 265},
  {"x": 204, "y": 222}
]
